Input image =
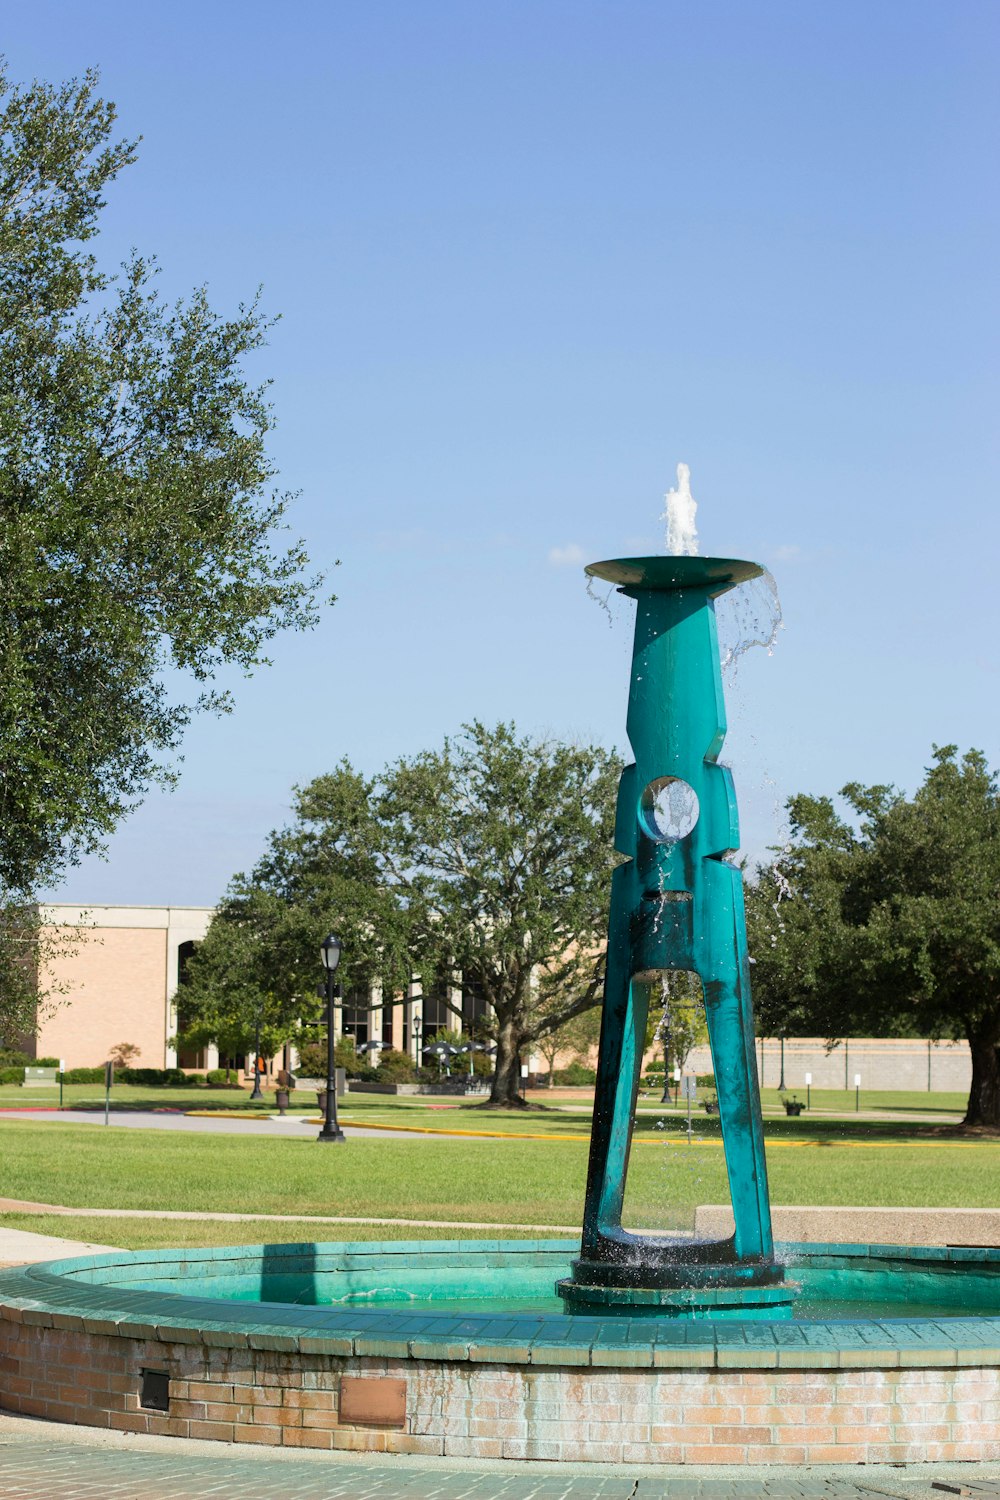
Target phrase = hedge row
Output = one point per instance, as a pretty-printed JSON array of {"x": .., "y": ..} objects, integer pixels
[
  {"x": 575, "y": 1076},
  {"x": 11, "y": 1058},
  {"x": 141, "y": 1077},
  {"x": 653, "y": 1079}
]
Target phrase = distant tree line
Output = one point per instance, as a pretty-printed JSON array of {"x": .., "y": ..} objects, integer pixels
[
  {"x": 887, "y": 922},
  {"x": 488, "y": 859}
]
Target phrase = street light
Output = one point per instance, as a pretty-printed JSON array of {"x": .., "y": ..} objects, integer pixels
[
  {"x": 416, "y": 1026},
  {"x": 256, "y": 1092},
  {"x": 330, "y": 954}
]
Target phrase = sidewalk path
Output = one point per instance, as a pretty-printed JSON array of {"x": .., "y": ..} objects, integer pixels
[
  {"x": 296, "y": 1126},
  {"x": 18, "y": 1247},
  {"x": 45, "y": 1461},
  {"x": 25, "y": 1206}
]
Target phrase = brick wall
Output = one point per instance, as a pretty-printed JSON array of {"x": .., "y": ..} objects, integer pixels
[
  {"x": 115, "y": 992},
  {"x": 268, "y": 1395},
  {"x": 883, "y": 1062},
  {"x": 117, "y": 981}
]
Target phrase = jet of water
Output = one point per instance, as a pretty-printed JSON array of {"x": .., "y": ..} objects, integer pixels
[{"x": 679, "y": 514}]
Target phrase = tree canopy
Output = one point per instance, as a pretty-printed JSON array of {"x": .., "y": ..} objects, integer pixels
[
  {"x": 139, "y": 523},
  {"x": 890, "y": 923},
  {"x": 488, "y": 858},
  {"x": 138, "y": 519}
]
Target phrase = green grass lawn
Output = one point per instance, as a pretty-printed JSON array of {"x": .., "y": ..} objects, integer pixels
[
  {"x": 826, "y": 1156},
  {"x": 842, "y": 1101},
  {"x": 181, "y": 1234},
  {"x": 130, "y": 1096},
  {"x": 561, "y": 1114},
  {"x": 493, "y": 1182}
]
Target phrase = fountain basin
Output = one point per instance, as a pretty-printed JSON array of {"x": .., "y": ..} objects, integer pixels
[{"x": 462, "y": 1348}]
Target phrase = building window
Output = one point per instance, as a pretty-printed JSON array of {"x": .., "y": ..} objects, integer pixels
[
  {"x": 356, "y": 1017},
  {"x": 187, "y": 1057}
]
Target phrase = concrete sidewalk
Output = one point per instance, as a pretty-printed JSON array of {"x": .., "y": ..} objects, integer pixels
[
  {"x": 44, "y": 1461},
  {"x": 18, "y": 1247},
  {"x": 298, "y": 1127}
]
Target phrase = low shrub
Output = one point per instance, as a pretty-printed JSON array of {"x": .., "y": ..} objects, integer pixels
[
  {"x": 312, "y": 1059},
  {"x": 575, "y": 1076},
  {"x": 84, "y": 1075},
  {"x": 222, "y": 1078},
  {"x": 363, "y": 1072},
  {"x": 153, "y": 1078},
  {"x": 12, "y": 1074},
  {"x": 395, "y": 1067}
]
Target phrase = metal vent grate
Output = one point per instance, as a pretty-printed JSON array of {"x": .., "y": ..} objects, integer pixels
[{"x": 155, "y": 1390}]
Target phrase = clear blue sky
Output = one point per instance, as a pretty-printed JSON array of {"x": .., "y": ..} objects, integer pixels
[{"x": 528, "y": 255}]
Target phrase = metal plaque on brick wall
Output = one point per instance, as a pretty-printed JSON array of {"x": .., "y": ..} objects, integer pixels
[{"x": 368, "y": 1401}]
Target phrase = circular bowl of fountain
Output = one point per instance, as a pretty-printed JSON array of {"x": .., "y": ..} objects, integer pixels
[{"x": 464, "y": 1348}]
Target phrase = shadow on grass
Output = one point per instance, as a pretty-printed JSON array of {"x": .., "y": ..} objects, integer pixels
[{"x": 818, "y": 1131}]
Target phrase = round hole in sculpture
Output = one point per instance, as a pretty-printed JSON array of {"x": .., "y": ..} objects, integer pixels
[{"x": 669, "y": 809}]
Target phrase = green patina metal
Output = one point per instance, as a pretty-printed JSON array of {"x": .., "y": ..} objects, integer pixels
[{"x": 676, "y": 904}]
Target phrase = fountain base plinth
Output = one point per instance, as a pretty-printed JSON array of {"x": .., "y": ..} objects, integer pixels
[
  {"x": 678, "y": 1289},
  {"x": 751, "y": 1302}
]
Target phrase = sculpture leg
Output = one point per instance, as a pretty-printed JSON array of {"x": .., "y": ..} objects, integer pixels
[
  {"x": 742, "y": 1139},
  {"x": 623, "y": 1026}
]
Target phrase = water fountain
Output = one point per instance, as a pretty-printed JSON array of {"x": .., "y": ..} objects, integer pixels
[
  {"x": 656, "y": 1349},
  {"x": 677, "y": 904}
]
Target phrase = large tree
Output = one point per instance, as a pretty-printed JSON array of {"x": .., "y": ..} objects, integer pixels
[
  {"x": 890, "y": 922},
  {"x": 139, "y": 525},
  {"x": 487, "y": 859},
  {"x": 137, "y": 515}
]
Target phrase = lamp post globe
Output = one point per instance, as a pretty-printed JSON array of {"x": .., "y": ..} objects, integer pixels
[{"x": 330, "y": 950}]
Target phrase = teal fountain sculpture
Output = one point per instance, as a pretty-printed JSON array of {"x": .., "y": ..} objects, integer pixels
[{"x": 676, "y": 903}]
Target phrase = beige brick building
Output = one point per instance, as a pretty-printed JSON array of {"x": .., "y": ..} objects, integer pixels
[{"x": 119, "y": 982}]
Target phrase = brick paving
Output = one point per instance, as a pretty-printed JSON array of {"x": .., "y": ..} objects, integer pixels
[{"x": 40, "y": 1461}]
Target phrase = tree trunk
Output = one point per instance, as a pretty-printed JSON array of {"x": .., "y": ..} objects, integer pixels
[
  {"x": 506, "y": 1090},
  {"x": 983, "y": 1107}
]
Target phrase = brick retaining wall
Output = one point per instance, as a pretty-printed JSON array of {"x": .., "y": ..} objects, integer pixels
[
  {"x": 883, "y": 1062},
  {"x": 496, "y": 1410}
]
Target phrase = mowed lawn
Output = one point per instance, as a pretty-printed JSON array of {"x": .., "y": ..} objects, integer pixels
[
  {"x": 491, "y": 1182},
  {"x": 563, "y": 1110}
]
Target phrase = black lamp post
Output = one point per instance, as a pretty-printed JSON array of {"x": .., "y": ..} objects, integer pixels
[
  {"x": 256, "y": 1092},
  {"x": 330, "y": 952},
  {"x": 416, "y": 1027}
]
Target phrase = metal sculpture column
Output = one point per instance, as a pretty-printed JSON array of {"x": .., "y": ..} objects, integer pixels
[{"x": 676, "y": 904}]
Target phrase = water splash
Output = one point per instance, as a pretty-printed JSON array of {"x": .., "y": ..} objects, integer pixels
[
  {"x": 748, "y": 616},
  {"x": 784, "y": 890},
  {"x": 601, "y": 599},
  {"x": 679, "y": 514}
]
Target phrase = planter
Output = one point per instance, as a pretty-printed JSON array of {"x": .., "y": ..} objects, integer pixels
[
  {"x": 282, "y": 1097},
  {"x": 793, "y": 1107}
]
